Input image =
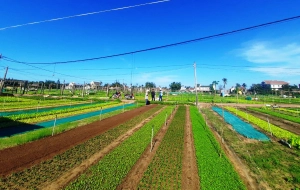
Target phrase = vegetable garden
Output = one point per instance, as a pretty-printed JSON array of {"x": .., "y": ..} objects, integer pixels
[{"x": 101, "y": 150}]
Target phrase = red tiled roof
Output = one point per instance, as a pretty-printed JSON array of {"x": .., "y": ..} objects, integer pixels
[{"x": 278, "y": 82}]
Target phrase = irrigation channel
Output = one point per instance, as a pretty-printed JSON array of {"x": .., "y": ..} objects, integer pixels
[
  {"x": 9, "y": 131},
  {"x": 37, "y": 109},
  {"x": 240, "y": 126}
]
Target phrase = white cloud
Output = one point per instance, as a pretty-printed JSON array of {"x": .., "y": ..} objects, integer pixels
[
  {"x": 162, "y": 80},
  {"x": 283, "y": 60},
  {"x": 278, "y": 71},
  {"x": 263, "y": 52},
  {"x": 165, "y": 80}
]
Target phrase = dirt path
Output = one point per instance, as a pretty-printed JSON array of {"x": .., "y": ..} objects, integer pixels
[
  {"x": 239, "y": 166},
  {"x": 190, "y": 177},
  {"x": 24, "y": 156},
  {"x": 282, "y": 123},
  {"x": 71, "y": 175},
  {"x": 134, "y": 176}
]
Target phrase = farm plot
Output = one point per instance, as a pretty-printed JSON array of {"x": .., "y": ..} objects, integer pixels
[
  {"x": 21, "y": 103},
  {"x": 49, "y": 115},
  {"x": 165, "y": 171},
  {"x": 292, "y": 138},
  {"x": 51, "y": 167},
  {"x": 280, "y": 122},
  {"x": 291, "y": 111},
  {"x": 109, "y": 172},
  {"x": 215, "y": 170},
  {"x": 283, "y": 114},
  {"x": 267, "y": 165},
  {"x": 240, "y": 126}
]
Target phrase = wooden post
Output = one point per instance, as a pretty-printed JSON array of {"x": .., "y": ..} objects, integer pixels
[
  {"x": 2, "y": 83},
  {"x": 101, "y": 114},
  {"x": 54, "y": 124},
  {"x": 152, "y": 139}
]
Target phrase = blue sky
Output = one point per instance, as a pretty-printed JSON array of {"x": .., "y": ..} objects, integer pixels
[{"x": 267, "y": 53}]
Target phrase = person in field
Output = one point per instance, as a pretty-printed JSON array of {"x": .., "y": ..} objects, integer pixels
[
  {"x": 147, "y": 98},
  {"x": 160, "y": 95},
  {"x": 153, "y": 95}
]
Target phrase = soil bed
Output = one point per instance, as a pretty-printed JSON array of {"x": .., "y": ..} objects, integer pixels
[
  {"x": 284, "y": 124},
  {"x": 24, "y": 156}
]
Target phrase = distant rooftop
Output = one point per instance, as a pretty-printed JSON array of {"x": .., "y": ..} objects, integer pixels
[{"x": 275, "y": 82}]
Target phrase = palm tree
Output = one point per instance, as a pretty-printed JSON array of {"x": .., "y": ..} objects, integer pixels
[
  {"x": 224, "y": 82},
  {"x": 244, "y": 85},
  {"x": 215, "y": 83}
]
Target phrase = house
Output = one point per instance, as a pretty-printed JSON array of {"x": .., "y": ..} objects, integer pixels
[
  {"x": 34, "y": 86},
  {"x": 200, "y": 89},
  {"x": 95, "y": 85},
  {"x": 71, "y": 85},
  {"x": 182, "y": 89},
  {"x": 274, "y": 84},
  {"x": 204, "y": 88}
]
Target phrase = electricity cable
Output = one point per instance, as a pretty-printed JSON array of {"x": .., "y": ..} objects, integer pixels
[
  {"x": 85, "y": 14},
  {"x": 164, "y": 46}
]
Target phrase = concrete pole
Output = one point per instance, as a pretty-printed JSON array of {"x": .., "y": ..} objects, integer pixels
[{"x": 196, "y": 85}]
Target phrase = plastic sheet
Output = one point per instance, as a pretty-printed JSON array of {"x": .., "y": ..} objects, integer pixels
[
  {"x": 45, "y": 109},
  {"x": 240, "y": 126},
  {"x": 23, "y": 128}
]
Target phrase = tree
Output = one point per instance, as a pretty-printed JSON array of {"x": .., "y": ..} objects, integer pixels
[
  {"x": 58, "y": 84},
  {"x": 224, "y": 84},
  {"x": 175, "y": 86},
  {"x": 150, "y": 85},
  {"x": 214, "y": 84},
  {"x": 244, "y": 85},
  {"x": 116, "y": 84}
]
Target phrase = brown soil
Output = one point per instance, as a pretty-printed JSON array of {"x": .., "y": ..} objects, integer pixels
[
  {"x": 24, "y": 156},
  {"x": 134, "y": 176},
  {"x": 282, "y": 123},
  {"x": 71, "y": 175},
  {"x": 190, "y": 177}
]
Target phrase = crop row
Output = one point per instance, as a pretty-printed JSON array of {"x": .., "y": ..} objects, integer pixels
[
  {"x": 276, "y": 131},
  {"x": 51, "y": 169},
  {"x": 8, "y": 103},
  {"x": 277, "y": 114},
  {"x": 292, "y": 112},
  {"x": 165, "y": 170},
  {"x": 55, "y": 112},
  {"x": 215, "y": 170},
  {"x": 111, "y": 169},
  {"x": 44, "y": 116}
]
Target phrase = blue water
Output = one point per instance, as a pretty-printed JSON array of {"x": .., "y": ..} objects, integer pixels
[
  {"x": 44, "y": 109},
  {"x": 240, "y": 126},
  {"x": 79, "y": 117},
  {"x": 23, "y": 128}
]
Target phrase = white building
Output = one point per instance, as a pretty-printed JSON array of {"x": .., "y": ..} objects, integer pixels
[
  {"x": 275, "y": 84},
  {"x": 95, "y": 85},
  {"x": 71, "y": 85}
]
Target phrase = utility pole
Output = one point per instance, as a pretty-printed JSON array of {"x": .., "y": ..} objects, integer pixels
[
  {"x": 3, "y": 81},
  {"x": 83, "y": 88},
  {"x": 196, "y": 84}
]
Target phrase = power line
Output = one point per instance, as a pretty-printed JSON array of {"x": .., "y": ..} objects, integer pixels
[
  {"x": 163, "y": 46},
  {"x": 120, "y": 68},
  {"x": 54, "y": 72},
  {"x": 85, "y": 14}
]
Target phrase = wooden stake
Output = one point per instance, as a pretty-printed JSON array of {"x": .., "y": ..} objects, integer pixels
[{"x": 54, "y": 124}]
